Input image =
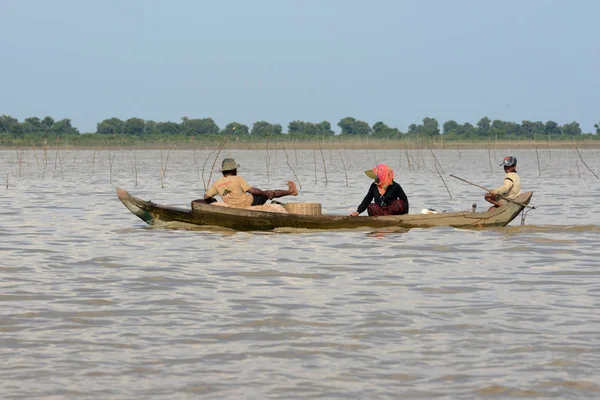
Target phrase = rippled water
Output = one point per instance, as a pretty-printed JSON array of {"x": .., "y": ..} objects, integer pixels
[{"x": 95, "y": 304}]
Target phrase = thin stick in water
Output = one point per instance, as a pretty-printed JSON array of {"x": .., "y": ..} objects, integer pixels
[
  {"x": 206, "y": 184},
  {"x": 442, "y": 178},
  {"x": 538, "y": 158},
  {"x": 324, "y": 167},
  {"x": 583, "y": 161},
  {"x": 315, "y": 163},
  {"x": 344, "y": 165},
  {"x": 287, "y": 160}
]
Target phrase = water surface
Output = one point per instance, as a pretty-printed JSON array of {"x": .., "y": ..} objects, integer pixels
[{"x": 95, "y": 304}]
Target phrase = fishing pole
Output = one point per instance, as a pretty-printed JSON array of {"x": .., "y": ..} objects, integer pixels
[{"x": 488, "y": 190}]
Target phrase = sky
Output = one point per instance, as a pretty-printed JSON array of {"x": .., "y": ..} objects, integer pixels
[{"x": 278, "y": 61}]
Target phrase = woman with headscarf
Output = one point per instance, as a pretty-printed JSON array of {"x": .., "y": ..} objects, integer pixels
[{"x": 385, "y": 196}]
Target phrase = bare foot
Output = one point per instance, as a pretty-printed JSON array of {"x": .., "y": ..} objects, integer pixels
[{"x": 292, "y": 187}]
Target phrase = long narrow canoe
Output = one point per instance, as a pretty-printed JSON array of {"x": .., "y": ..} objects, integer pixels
[{"x": 202, "y": 214}]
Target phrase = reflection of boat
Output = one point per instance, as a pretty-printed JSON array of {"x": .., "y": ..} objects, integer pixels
[{"x": 203, "y": 214}]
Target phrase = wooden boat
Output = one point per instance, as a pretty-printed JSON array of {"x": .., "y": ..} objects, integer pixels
[{"x": 203, "y": 214}]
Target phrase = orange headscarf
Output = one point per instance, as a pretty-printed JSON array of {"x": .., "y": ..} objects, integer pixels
[{"x": 385, "y": 176}]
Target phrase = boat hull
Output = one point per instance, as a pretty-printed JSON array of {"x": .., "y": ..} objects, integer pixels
[{"x": 204, "y": 214}]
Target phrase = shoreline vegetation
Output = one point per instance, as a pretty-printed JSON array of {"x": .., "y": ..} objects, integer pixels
[
  {"x": 326, "y": 143},
  {"x": 196, "y": 134}
]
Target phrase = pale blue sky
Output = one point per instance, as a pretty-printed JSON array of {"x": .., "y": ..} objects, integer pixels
[{"x": 284, "y": 60}]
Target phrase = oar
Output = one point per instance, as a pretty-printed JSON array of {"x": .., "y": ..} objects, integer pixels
[{"x": 487, "y": 190}]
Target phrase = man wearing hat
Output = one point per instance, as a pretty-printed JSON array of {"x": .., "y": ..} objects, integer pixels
[
  {"x": 511, "y": 186},
  {"x": 236, "y": 192}
]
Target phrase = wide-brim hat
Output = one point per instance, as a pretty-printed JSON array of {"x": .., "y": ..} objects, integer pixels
[
  {"x": 509, "y": 161},
  {"x": 229, "y": 164},
  {"x": 371, "y": 174}
]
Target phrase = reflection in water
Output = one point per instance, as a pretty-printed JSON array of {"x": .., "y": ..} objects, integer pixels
[{"x": 97, "y": 304}]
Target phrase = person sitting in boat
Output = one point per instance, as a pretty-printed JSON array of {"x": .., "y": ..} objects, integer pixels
[
  {"x": 388, "y": 196},
  {"x": 511, "y": 187},
  {"x": 236, "y": 192}
]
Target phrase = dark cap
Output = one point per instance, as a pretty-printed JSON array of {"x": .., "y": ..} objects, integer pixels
[{"x": 509, "y": 161}]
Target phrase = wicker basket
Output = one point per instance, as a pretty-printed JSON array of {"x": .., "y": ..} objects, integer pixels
[{"x": 303, "y": 208}]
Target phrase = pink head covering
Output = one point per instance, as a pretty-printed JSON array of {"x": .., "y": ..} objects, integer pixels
[{"x": 385, "y": 176}]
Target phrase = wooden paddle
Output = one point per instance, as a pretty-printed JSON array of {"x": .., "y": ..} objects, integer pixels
[{"x": 487, "y": 190}]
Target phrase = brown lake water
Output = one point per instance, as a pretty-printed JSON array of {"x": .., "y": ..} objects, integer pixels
[{"x": 94, "y": 304}]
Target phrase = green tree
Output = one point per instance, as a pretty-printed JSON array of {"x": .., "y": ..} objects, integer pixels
[
  {"x": 64, "y": 127},
  {"x": 240, "y": 129},
  {"x": 450, "y": 127},
  {"x": 110, "y": 126},
  {"x": 134, "y": 127},
  {"x": 571, "y": 129},
  {"x": 32, "y": 125},
  {"x": 263, "y": 128},
  {"x": 551, "y": 128},
  {"x": 296, "y": 128},
  {"x": 499, "y": 125},
  {"x": 203, "y": 126},
  {"x": 47, "y": 124},
  {"x": 430, "y": 127},
  {"x": 529, "y": 128},
  {"x": 512, "y": 128},
  {"x": 351, "y": 126},
  {"x": 597, "y": 126},
  {"x": 380, "y": 129},
  {"x": 310, "y": 129},
  {"x": 468, "y": 130},
  {"x": 11, "y": 125},
  {"x": 168, "y": 128},
  {"x": 483, "y": 126},
  {"x": 151, "y": 128},
  {"x": 383, "y": 131},
  {"x": 324, "y": 129}
]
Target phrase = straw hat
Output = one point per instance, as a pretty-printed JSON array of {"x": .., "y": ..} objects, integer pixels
[
  {"x": 229, "y": 164},
  {"x": 371, "y": 174}
]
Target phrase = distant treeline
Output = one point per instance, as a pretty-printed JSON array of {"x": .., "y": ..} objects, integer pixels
[{"x": 35, "y": 128}]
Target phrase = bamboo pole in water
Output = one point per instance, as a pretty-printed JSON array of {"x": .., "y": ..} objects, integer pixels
[
  {"x": 203, "y": 166},
  {"x": 56, "y": 156},
  {"x": 37, "y": 161},
  {"x": 490, "y": 155},
  {"x": 344, "y": 165},
  {"x": 221, "y": 146},
  {"x": 20, "y": 161},
  {"x": 583, "y": 161},
  {"x": 267, "y": 160},
  {"x": 287, "y": 160},
  {"x": 436, "y": 160},
  {"x": 443, "y": 181},
  {"x": 537, "y": 157},
  {"x": 315, "y": 163},
  {"x": 295, "y": 152},
  {"x": 324, "y": 166}
]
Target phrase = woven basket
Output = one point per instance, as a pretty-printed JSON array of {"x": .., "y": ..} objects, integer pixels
[{"x": 303, "y": 208}]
